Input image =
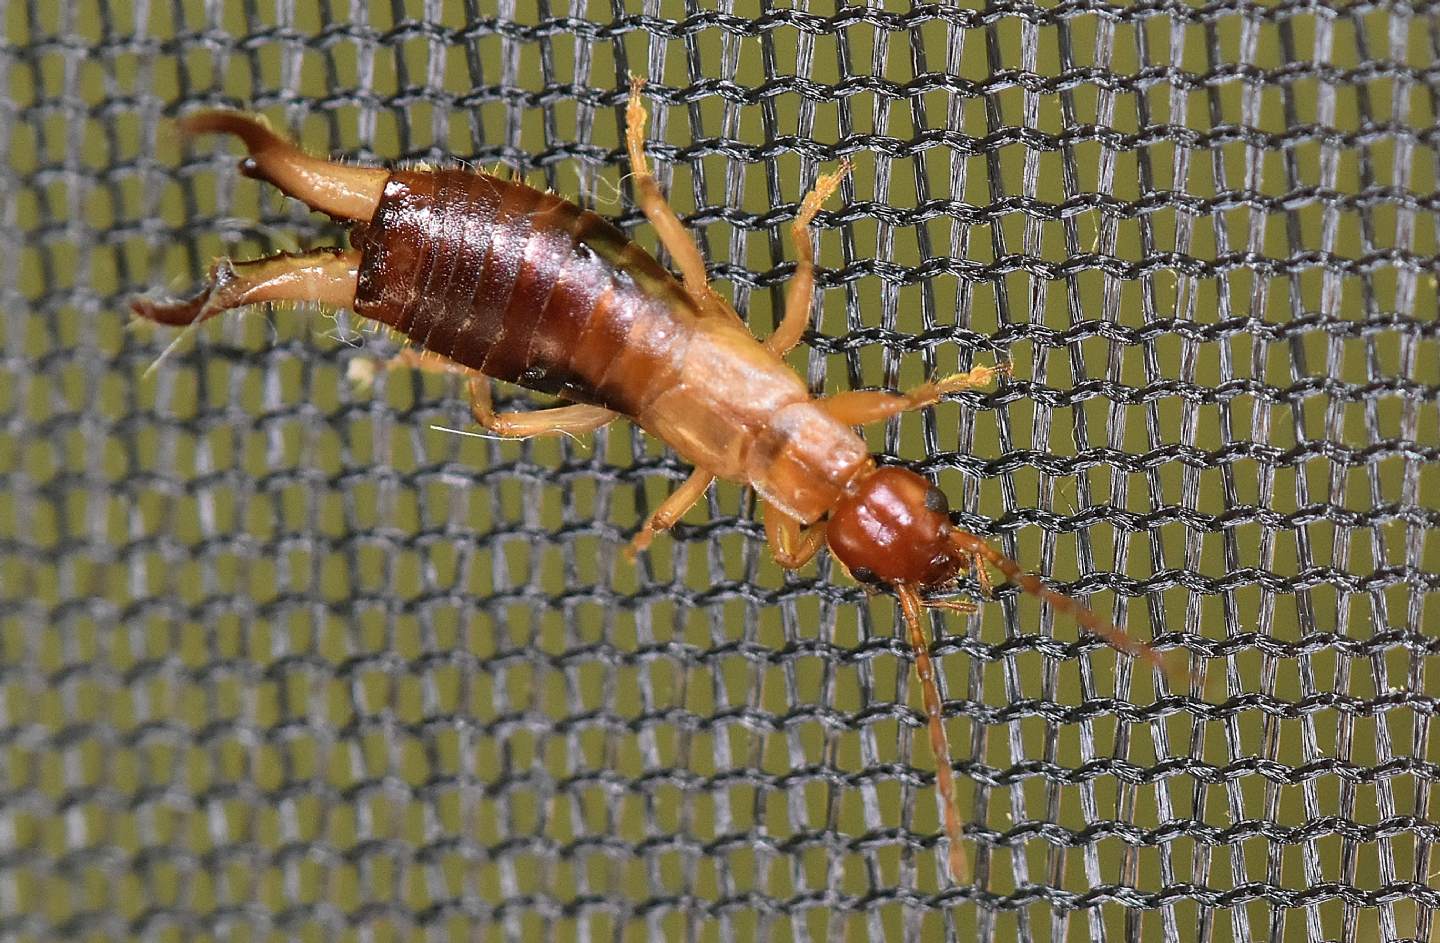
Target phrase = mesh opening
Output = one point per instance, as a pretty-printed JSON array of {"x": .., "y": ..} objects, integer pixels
[{"x": 280, "y": 658}]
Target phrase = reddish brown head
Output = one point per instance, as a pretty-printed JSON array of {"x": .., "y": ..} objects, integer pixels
[{"x": 894, "y": 528}]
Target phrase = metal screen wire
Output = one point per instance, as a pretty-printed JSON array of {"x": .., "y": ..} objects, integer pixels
[{"x": 283, "y": 658}]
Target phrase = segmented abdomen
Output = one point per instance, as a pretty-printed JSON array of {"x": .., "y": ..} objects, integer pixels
[
  {"x": 521, "y": 286},
  {"x": 527, "y": 288}
]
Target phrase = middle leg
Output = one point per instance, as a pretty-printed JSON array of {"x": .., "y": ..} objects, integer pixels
[
  {"x": 791, "y": 544},
  {"x": 672, "y": 233},
  {"x": 671, "y": 510}
]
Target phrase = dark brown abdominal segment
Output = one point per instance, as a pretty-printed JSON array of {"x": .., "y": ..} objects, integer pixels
[
  {"x": 509, "y": 270},
  {"x": 548, "y": 237},
  {"x": 453, "y": 247},
  {"x": 521, "y": 286},
  {"x": 416, "y": 219},
  {"x": 568, "y": 307}
]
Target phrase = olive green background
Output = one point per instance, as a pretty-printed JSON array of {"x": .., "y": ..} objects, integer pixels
[{"x": 282, "y": 656}]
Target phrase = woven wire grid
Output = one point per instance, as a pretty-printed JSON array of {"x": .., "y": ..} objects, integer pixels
[{"x": 281, "y": 658}]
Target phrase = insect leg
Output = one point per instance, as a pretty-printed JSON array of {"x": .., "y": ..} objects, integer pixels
[
  {"x": 791, "y": 545},
  {"x": 325, "y": 276},
  {"x": 861, "y": 407},
  {"x": 801, "y": 290},
  {"x": 962, "y": 607},
  {"x": 341, "y": 190},
  {"x": 672, "y": 233},
  {"x": 573, "y": 420},
  {"x": 671, "y": 510},
  {"x": 361, "y": 371}
]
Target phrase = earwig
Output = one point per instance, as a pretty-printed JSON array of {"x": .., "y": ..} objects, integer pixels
[{"x": 496, "y": 280}]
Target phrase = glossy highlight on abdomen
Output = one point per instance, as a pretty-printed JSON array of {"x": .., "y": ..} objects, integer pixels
[{"x": 522, "y": 286}]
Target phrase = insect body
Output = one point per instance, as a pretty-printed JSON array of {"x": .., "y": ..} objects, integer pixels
[{"x": 506, "y": 282}]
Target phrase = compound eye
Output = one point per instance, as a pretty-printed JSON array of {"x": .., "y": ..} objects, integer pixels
[
  {"x": 936, "y": 501},
  {"x": 863, "y": 574}
]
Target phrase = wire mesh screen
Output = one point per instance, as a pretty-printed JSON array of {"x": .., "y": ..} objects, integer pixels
[{"x": 287, "y": 655}]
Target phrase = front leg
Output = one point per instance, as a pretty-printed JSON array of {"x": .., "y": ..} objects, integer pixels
[{"x": 791, "y": 544}]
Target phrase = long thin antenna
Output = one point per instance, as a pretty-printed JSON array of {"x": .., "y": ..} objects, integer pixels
[
  {"x": 913, "y": 609},
  {"x": 1112, "y": 634}
]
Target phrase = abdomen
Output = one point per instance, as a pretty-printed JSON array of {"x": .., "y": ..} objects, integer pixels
[
  {"x": 528, "y": 288},
  {"x": 520, "y": 285}
]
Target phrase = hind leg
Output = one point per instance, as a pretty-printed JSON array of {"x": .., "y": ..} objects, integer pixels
[
  {"x": 361, "y": 371},
  {"x": 687, "y": 257},
  {"x": 677, "y": 239},
  {"x": 576, "y": 420},
  {"x": 324, "y": 276}
]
